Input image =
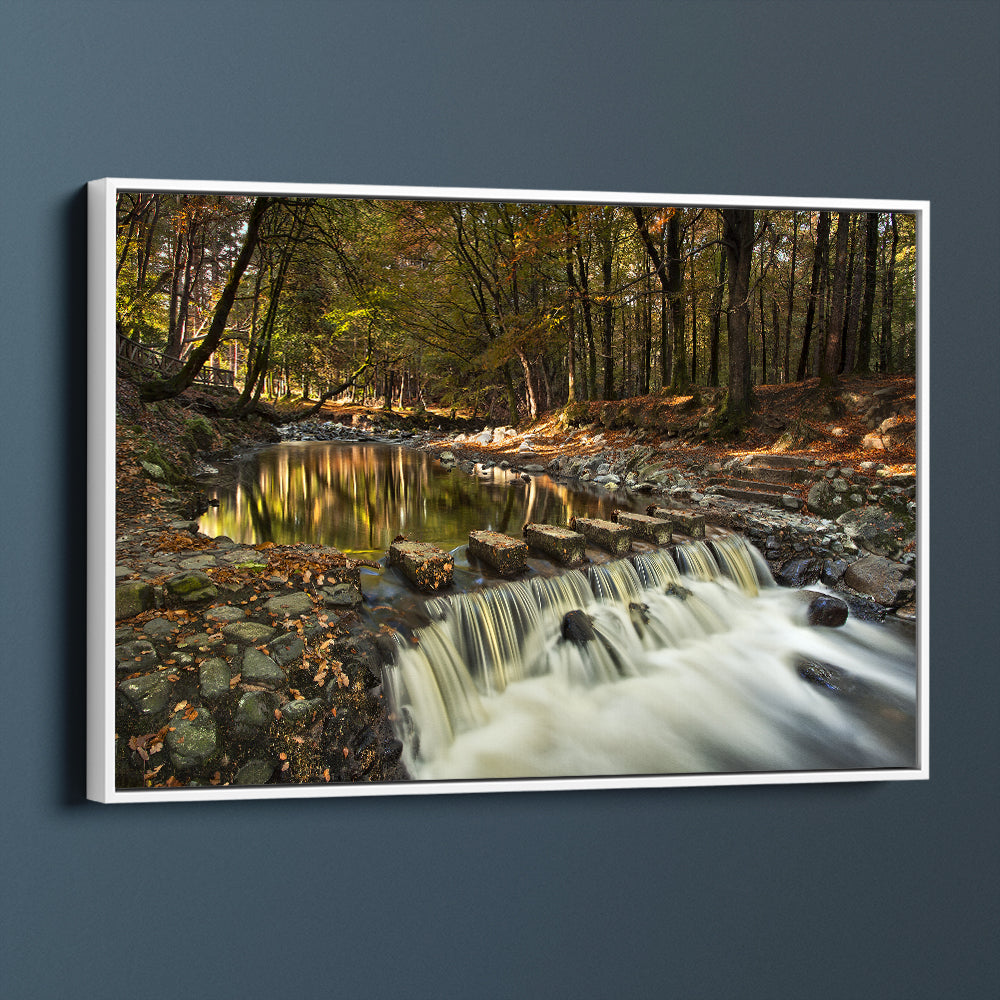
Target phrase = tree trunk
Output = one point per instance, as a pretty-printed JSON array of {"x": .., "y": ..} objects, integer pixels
[
  {"x": 855, "y": 287},
  {"x": 885, "y": 348},
  {"x": 815, "y": 290},
  {"x": 713, "y": 345},
  {"x": 863, "y": 360},
  {"x": 608, "y": 321},
  {"x": 694, "y": 327},
  {"x": 791, "y": 294},
  {"x": 738, "y": 237},
  {"x": 177, "y": 383},
  {"x": 830, "y": 365}
]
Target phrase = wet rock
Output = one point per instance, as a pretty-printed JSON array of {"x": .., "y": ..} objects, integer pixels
[
  {"x": 833, "y": 570},
  {"x": 258, "y": 668},
  {"x": 885, "y": 581},
  {"x": 132, "y": 598},
  {"x": 150, "y": 694},
  {"x": 213, "y": 678},
  {"x": 799, "y": 572},
  {"x": 192, "y": 740},
  {"x": 823, "y": 609},
  {"x": 247, "y": 632},
  {"x": 578, "y": 627}
]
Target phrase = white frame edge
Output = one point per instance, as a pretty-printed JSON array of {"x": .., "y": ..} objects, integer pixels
[{"x": 101, "y": 203}]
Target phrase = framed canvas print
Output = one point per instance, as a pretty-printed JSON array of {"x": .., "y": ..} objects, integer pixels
[{"x": 420, "y": 490}]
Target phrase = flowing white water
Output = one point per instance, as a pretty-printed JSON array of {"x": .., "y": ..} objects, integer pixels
[{"x": 693, "y": 667}]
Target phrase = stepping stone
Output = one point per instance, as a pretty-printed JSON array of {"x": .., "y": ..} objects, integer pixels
[
  {"x": 687, "y": 523},
  {"x": 650, "y": 529},
  {"x": 505, "y": 554},
  {"x": 429, "y": 567},
  {"x": 612, "y": 537},
  {"x": 563, "y": 544}
]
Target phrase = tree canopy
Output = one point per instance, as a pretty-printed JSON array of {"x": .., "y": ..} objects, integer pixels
[{"x": 507, "y": 308}]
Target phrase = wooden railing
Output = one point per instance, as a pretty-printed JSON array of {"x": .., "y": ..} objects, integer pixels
[{"x": 146, "y": 358}]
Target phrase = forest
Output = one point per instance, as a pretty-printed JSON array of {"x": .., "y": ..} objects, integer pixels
[{"x": 505, "y": 310}]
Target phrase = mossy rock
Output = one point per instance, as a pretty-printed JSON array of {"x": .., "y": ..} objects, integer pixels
[{"x": 198, "y": 434}]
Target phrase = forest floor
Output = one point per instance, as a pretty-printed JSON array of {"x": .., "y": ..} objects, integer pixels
[{"x": 801, "y": 418}]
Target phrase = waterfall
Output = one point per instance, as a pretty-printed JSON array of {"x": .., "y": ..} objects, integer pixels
[{"x": 664, "y": 662}]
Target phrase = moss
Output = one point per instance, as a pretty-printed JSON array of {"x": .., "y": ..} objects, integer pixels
[{"x": 198, "y": 434}]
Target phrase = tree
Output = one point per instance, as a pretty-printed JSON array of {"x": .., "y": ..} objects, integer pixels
[
  {"x": 166, "y": 388},
  {"x": 830, "y": 364},
  {"x": 738, "y": 239}
]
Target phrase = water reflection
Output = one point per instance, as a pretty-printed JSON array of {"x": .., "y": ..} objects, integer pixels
[{"x": 358, "y": 497}]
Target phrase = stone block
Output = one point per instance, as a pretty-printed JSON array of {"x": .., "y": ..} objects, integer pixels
[
  {"x": 607, "y": 535},
  {"x": 429, "y": 567},
  {"x": 563, "y": 544},
  {"x": 505, "y": 554},
  {"x": 685, "y": 521},
  {"x": 650, "y": 529}
]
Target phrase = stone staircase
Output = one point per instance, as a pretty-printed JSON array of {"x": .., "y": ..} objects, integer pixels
[{"x": 773, "y": 480}]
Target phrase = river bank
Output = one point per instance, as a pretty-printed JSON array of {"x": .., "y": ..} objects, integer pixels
[{"x": 247, "y": 664}]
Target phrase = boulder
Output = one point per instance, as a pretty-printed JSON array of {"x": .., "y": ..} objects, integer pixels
[
  {"x": 885, "y": 581},
  {"x": 878, "y": 530}
]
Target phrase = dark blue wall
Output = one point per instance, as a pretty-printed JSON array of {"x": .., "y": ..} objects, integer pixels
[{"x": 883, "y": 890}]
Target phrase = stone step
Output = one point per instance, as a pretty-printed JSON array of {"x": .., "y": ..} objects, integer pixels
[
  {"x": 756, "y": 496},
  {"x": 684, "y": 521},
  {"x": 765, "y": 475},
  {"x": 650, "y": 529},
  {"x": 562, "y": 544},
  {"x": 778, "y": 462},
  {"x": 613, "y": 538},
  {"x": 505, "y": 554},
  {"x": 739, "y": 483}
]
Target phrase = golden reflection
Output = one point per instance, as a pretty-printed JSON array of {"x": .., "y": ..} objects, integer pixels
[{"x": 357, "y": 498}]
